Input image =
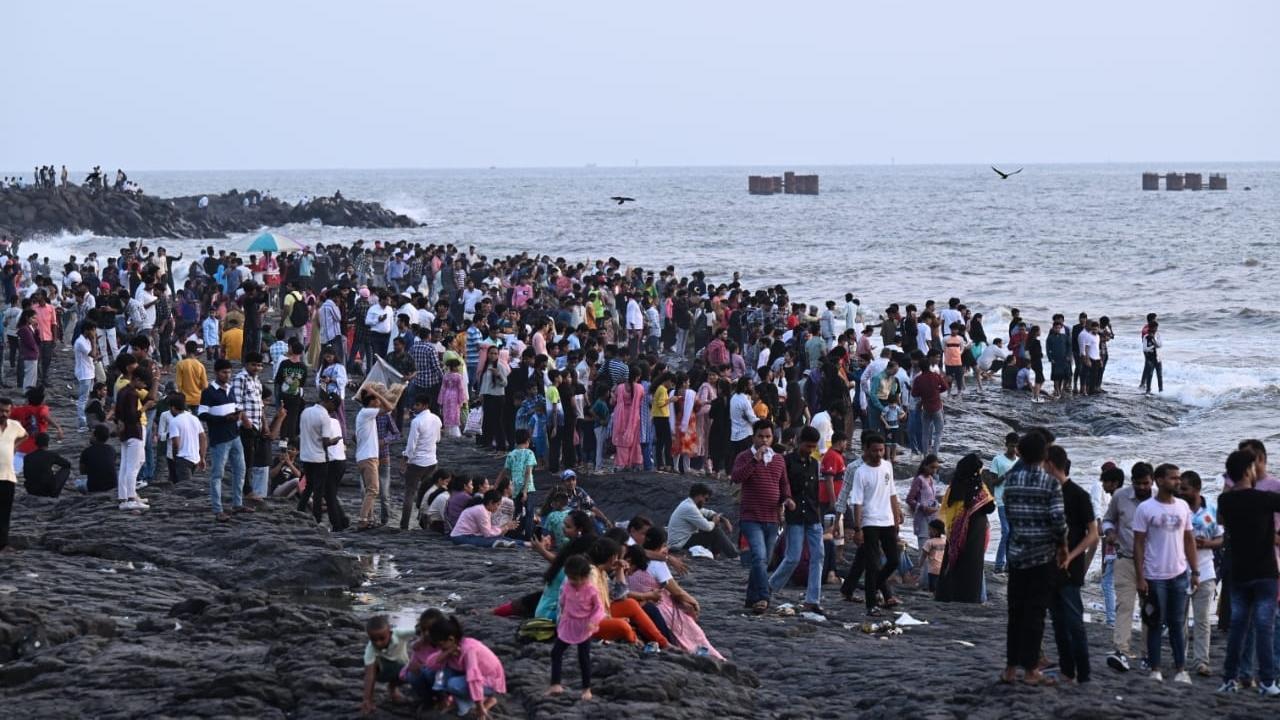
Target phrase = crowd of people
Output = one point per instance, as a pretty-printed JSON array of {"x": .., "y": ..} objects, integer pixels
[
  {"x": 567, "y": 368},
  {"x": 48, "y": 177}
]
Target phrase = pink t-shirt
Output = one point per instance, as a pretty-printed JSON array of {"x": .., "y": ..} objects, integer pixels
[{"x": 1166, "y": 526}]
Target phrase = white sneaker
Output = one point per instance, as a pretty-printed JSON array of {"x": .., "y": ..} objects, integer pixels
[
  {"x": 132, "y": 505},
  {"x": 1269, "y": 690},
  {"x": 1230, "y": 686},
  {"x": 141, "y": 484},
  {"x": 1157, "y": 676},
  {"x": 1182, "y": 677}
]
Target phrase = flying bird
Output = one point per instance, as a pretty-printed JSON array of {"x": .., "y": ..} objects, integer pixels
[
  {"x": 619, "y": 199},
  {"x": 1005, "y": 175}
]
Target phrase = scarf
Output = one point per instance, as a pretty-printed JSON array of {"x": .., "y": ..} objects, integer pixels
[{"x": 957, "y": 516}]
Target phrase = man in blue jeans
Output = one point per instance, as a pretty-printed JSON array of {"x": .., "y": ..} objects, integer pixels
[
  {"x": 1000, "y": 465},
  {"x": 1248, "y": 514},
  {"x": 218, "y": 410},
  {"x": 86, "y": 354},
  {"x": 1164, "y": 554},
  {"x": 1065, "y": 605},
  {"x": 803, "y": 516},
  {"x": 762, "y": 474}
]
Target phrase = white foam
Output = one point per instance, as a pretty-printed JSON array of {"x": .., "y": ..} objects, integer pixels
[
  {"x": 412, "y": 206},
  {"x": 1197, "y": 384}
]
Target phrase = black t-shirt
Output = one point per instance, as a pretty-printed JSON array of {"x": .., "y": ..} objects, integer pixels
[
  {"x": 1248, "y": 516},
  {"x": 38, "y": 468},
  {"x": 1078, "y": 508},
  {"x": 99, "y": 463},
  {"x": 291, "y": 377}
]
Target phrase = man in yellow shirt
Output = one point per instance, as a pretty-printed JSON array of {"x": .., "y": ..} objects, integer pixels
[
  {"x": 232, "y": 340},
  {"x": 191, "y": 377}
]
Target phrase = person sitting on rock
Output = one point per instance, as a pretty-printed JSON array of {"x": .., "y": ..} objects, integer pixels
[
  {"x": 38, "y": 471},
  {"x": 98, "y": 461},
  {"x": 692, "y": 523}
]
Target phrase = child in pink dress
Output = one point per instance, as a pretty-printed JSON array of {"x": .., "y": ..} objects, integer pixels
[
  {"x": 581, "y": 611},
  {"x": 453, "y": 393},
  {"x": 466, "y": 669}
]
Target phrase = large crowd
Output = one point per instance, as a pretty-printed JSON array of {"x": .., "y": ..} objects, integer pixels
[{"x": 247, "y": 365}]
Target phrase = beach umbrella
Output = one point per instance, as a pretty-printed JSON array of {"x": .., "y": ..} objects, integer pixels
[{"x": 273, "y": 242}]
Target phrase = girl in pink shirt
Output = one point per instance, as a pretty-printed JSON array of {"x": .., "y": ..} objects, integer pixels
[
  {"x": 581, "y": 611},
  {"x": 472, "y": 674}
]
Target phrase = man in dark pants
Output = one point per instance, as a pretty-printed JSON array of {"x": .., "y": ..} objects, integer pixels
[
  {"x": 1037, "y": 548},
  {"x": 876, "y": 518},
  {"x": 419, "y": 454},
  {"x": 1065, "y": 606},
  {"x": 38, "y": 470},
  {"x": 319, "y": 442},
  {"x": 10, "y": 433}
]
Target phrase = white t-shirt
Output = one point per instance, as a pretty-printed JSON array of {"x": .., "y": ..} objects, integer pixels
[
  {"x": 1165, "y": 524},
  {"x": 660, "y": 571},
  {"x": 822, "y": 422},
  {"x": 990, "y": 355},
  {"x": 379, "y": 319},
  {"x": 367, "y": 434},
  {"x": 187, "y": 429},
  {"x": 872, "y": 489},
  {"x": 142, "y": 295},
  {"x": 336, "y": 451},
  {"x": 313, "y": 427},
  {"x": 9, "y": 437},
  {"x": 84, "y": 358},
  {"x": 1089, "y": 347}
]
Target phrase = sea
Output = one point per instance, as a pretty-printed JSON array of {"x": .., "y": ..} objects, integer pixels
[{"x": 1054, "y": 238}]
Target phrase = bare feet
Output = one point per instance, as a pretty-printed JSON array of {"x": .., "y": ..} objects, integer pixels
[
  {"x": 554, "y": 690},
  {"x": 1009, "y": 676},
  {"x": 586, "y": 695}
]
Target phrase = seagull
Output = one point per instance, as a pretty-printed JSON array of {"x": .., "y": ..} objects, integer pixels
[
  {"x": 619, "y": 199},
  {"x": 1005, "y": 175}
]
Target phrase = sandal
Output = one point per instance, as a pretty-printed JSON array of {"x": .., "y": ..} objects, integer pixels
[
  {"x": 760, "y": 607},
  {"x": 892, "y": 602},
  {"x": 874, "y": 612},
  {"x": 1037, "y": 679}
]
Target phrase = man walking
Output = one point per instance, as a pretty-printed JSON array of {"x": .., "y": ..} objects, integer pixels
[
  {"x": 1117, "y": 529},
  {"x": 803, "y": 518},
  {"x": 1065, "y": 606},
  {"x": 762, "y": 474},
  {"x": 419, "y": 454},
  {"x": 876, "y": 518},
  {"x": 1037, "y": 548},
  {"x": 219, "y": 411},
  {"x": 247, "y": 389},
  {"x": 1164, "y": 553}
]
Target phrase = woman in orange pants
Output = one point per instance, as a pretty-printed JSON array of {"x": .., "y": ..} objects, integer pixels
[{"x": 624, "y": 611}]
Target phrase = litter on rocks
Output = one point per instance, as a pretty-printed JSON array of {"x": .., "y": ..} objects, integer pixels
[
  {"x": 965, "y": 643},
  {"x": 454, "y": 597},
  {"x": 905, "y": 620},
  {"x": 813, "y": 617}
]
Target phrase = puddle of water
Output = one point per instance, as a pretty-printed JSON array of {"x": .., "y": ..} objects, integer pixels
[{"x": 378, "y": 567}]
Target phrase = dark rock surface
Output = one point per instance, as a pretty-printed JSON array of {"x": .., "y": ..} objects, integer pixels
[
  {"x": 30, "y": 211},
  {"x": 108, "y": 614}
]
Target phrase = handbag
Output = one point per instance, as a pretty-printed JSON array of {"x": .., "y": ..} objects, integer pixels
[
  {"x": 475, "y": 421},
  {"x": 99, "y": 372}
]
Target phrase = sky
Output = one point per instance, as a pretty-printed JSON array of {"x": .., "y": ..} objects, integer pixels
[{"x": 228, "y": 84}]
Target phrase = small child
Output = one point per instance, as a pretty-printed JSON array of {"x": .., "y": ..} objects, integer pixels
[
  {"x": 581, "y": 611},
  {"x": 212, "y": 337},
  {"x": 416, "y": 673},
  {"x": 453, "y": 394},
  {"x": 519, "y": 466},
  {"x": 385, "y": 655},
  {"x": 468, "y": 670},
  {"x": 892, "y": 418},
  {"x": 538, "y": 431},
  {"x": 933, "y": 550},
  {"x": 553, "y": 514}
]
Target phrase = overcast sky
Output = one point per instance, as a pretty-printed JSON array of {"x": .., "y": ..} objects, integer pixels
[{"x": 229, "y": 84}]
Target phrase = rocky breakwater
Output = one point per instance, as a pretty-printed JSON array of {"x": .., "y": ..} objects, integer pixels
[{"x": 32, "y": 211}]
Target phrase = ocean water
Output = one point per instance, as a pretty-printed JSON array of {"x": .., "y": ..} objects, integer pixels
[{"x": 1065, "y": 238}]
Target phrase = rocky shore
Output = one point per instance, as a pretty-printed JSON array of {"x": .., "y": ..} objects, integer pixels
[
  {"x": 108, "y": 614},
  {"x": 31, "y": 211}
]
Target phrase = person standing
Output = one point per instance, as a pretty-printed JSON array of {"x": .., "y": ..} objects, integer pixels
[
  {"x": 187, "y": 441},
  {"x": 1209, "y": 537},
  {"x": 86, "y": 354},
  {"x": 1164, "y": 553},
  {"x": 493, "y": 391},
  {"x": 1117, "y": 529},
  {"x": 1249, "y": 517},
  {"x": 762, "y": 475},
  {"x": 247, "y": 389},
  {"x": 10, "y": 434},
  {"x": 928, "y": 387},
  {"x": 876, "y": 519},
  {"x": 129, "y": 412},
  {"x": 1058, "y": 347},
  {"x": 1037, "y": 548},
  {"x": 219, "y": 411},
  {"x": 1001, "y": 464},
  {"x": 1065, "y": 606},
  {"x": 419, "y": 453},
  {"x": 1151, "y": 346},
  {"x": 368, "y": 452},
  {"x": 316, "y": 436},
  {"x": 803, "y": 520}
]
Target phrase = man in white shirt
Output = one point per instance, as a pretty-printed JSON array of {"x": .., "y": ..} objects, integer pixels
[
  {"x": 368, "y": 451},
  {"x": 876, "y": 518},
  {"x": 852, "y": 309},
  {"x": 635, "y": 325},
  {"x": 317, "y": 433},
  {"x": 380, "y": 321},
  {"x": 419, "y": 453},
  {"x": 188, "y": 445},
  {"x": 993, "y": 357},
  {"x": 692, "y": 523},
  {"x": 1090, "y": 358},
  {"x": 86, "y": 351},
  {"x": 10, "y": 433}
]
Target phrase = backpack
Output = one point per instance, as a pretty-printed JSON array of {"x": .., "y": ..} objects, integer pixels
[
  {"x": 536, "y": 630},
  {"x": 298, "y": 314}
]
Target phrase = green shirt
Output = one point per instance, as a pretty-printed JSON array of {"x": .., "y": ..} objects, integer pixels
[
  {"x": 519, "y": 463},
  {"x": 396, "y": 651}
]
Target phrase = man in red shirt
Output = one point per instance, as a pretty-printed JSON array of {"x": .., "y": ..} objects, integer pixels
[
  {"x": 831, "y": 476},
  {"x": 929, "y": 387},
  {"x": 762, "y": 473},
  {"x": 46, "y": 326}
]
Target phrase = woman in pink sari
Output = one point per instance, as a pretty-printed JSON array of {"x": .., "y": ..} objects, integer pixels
[
  {"x": 627, "y": 398},
  {"x": 651, "y": 580}
]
